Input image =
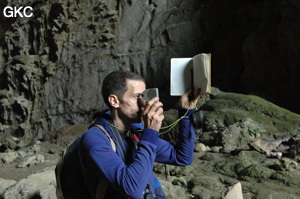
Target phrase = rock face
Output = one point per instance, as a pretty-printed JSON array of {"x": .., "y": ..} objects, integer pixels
[{"x": 52, "y": 64}]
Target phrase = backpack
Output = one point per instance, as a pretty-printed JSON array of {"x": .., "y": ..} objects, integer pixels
[{"x": 70, "y": 186}]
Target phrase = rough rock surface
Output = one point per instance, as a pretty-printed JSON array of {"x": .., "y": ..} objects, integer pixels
[{"x": 52, "y": 64}]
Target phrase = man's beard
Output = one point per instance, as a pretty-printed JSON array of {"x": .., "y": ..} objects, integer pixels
[{"x": 136, "y": 118}]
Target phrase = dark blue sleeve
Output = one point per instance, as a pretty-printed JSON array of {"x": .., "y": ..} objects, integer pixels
[
  {"x": 182, "y": 153},
  {"x": 131, "y": 179}
]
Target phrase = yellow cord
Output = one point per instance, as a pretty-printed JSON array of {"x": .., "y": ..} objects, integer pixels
[
  {"x": 169, "y": 127},
  {"x": 118, "y": 128},
  {"x": 165, "y": 129}
]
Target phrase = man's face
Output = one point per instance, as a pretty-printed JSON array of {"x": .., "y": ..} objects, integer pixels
[{"x": 130, "y": 109}]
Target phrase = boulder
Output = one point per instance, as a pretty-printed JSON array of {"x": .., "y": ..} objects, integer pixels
[{"x": 41, "y": 185}]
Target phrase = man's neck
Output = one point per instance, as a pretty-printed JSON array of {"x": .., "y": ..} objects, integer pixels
[{"x": 120, "y": 124}]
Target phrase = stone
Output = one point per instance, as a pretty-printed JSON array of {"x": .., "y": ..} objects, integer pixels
[
  {"x": 209, "y": 182},
  {"x": 238, "y": 136},
  {"x": 201, "y": 148},
  {"x": 216, "y": 149},
  {"x": 245, "y": 166},
  {"x": 42, "y": 185},
  {"x": 266, "y": 119},
  {"x": 31, "y": 160},
  {"x": 285, "y": 164},
  {"x": 287, "y": 177},
  {"x": 9, "y": 157},
  {"x": 180, "y": 181},
  {"x": 265, "y": 146},
  {"x": 235, "y": 192},
  {"x": 5, "y": 184},
  {"x": 173, "y": 191}
]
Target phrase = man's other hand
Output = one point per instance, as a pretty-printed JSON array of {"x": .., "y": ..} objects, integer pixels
[
  {"x": 187, "y": 102},
  {"x": 152, "y": 113}
]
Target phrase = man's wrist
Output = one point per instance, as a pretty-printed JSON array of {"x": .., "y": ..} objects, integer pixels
[
  {"x": 185, "y": 112},
  {"x": 150, "y": 135}
]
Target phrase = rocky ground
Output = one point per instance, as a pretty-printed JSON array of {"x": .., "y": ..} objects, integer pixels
[{"x": 243, "y": 139}]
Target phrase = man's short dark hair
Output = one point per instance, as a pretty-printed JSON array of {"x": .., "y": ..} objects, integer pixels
[{"x": 116, "y": 83}]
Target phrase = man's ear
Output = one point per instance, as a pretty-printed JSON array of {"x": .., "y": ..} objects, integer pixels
[{"x": 114, "y": 101}]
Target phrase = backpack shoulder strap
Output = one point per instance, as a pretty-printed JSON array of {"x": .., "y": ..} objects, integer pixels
[
  {"x": 113, "y": 144},
  {"x": 102, "y": 185}
]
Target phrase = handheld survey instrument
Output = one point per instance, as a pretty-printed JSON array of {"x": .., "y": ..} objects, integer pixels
[{"x": 150, "y": 93}]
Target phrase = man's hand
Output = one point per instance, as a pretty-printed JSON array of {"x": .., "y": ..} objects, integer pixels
[
  {"x": 152, "y": 113},
  {"x": 186, "y": 102}
]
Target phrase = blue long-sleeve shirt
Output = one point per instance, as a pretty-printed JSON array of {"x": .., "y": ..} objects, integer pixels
[{"x": 98, "y": 159}]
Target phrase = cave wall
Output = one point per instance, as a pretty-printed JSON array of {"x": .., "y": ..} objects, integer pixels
[
  {"x": 255, "y": 47},
  {"x": 52, "y": 64}
]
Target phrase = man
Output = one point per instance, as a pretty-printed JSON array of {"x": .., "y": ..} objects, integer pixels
[{"x": 128, "y": 172}]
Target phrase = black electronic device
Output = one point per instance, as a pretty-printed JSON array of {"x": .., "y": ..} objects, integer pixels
[{"x": 198, "y": 120}]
